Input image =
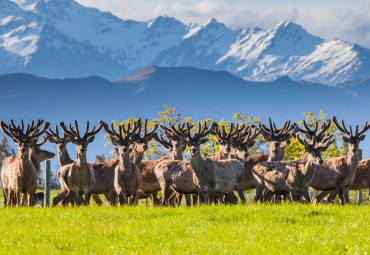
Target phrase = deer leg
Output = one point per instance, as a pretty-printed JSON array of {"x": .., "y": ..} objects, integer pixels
[
  {"x": 332, "y": 196},
  {"x": 166, "y": 192},
  {"x": 97, "y": 199},
  {"x": 211, "y": 196},
  {"x": 257, "y": 197},
  {"x": 179, "y": 199},
  {"x": 5, "y": 193},
  {"x": 87, "y": 197},
  {"x": 346, "y": 195},
  {"x": 240, "y": 191},
  {"x": 321, "y": 196},
  {"x": 195, "y": 199},
  {"x": 341, "y": 195},
  {"x": 59, "y": 197},
  {"x": 123, "y": 198},
  {"x": 155, "y": 198},
  {"x": 31, "y": 198},
  {"x": 10, "y": 197},
  {"x": 306, "y": 195},
  {"x": 188, "y": 199}
]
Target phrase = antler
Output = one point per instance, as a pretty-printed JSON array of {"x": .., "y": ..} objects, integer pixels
[
  {"x": 42, "y": 142},
  {"x": 282, "y": 133},
  {"x": 76, "y": 133},
  {"x": 17, "y": 132},
  {"x": 318, "y": 133},
  {"x": 344, "y": 130},
  {"x": 223, "y": 134},
  {"x": 147, "y": 135},
  {"x": 124, "y": 134},
  {"x": 249, "y": 134},
  {"x": 203, "y": 130},
  {"x": 162, "y": 140},
  {"x": 55, "y": 135}
]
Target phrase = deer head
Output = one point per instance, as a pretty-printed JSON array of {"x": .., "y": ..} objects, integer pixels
[
  {"x": 81, "y": 142},
  {"x": 61, "y": 142},
  {"x": 314, "y": 148},
  {"x": 141, "y": 140},
  {"x": 24, "y": 140},
  {"x": 224, "y": 138},
  {"x": 172, "y": 141},
  {"x": 278, "y": 138},
  {"x": 244, "y": 140},
  {"x": 40, "y": 154},
  {"x": 353, "y": 140},
  {"x": 124, "y": 138},
  {"x": 318, "y": 133},
  {"x": 194, "y": 141}
]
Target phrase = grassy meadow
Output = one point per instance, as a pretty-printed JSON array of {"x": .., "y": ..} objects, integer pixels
[{"x": 250, "y": 229}]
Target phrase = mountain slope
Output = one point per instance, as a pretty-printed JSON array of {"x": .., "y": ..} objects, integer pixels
[{"x": 85, "y": 41}]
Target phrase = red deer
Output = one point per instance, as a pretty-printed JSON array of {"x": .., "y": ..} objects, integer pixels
[
  {"x": 339, "y": 173},
  {"x": 127, "y": 177},
  {"x": 291, "y": 177},
  {"x": 19, "y": 174},
  {"x": 81, "y": 177}
]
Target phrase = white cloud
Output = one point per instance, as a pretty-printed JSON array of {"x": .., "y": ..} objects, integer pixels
[{"x": 324, "y": 18}]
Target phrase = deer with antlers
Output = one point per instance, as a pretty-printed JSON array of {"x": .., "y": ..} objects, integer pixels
[
  {"x": 339, "y": 173},
  {"x": 291, "y": 177},
  {"x": 64, "y": 159},
  {"x": 19, "y": 174},
  {"x": 278, "y": 140},
  {"x": 127, "y": 178},
  {"x": 212, "y": 177},
  {"x": 81, "y": 177}
]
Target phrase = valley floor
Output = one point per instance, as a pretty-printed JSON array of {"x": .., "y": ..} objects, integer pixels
[{"x": 249, "y": 229}]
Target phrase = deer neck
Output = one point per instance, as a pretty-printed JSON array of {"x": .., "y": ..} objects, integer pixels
[
  {"x": 25, "y": 161},
  {"x": 199, "y": 167},
  {"x": 136, "y": 156},
  {"x": 276, "y": 156},
  {"x": 309, "y": 168},
  {"x": 221, "y": 155},
  {"x": 63, "y": 158},
  {"x": 36, "y": 163},
  {"x": 352, "y": 159},
  {"x": 81, "y": 160},
  {"x": 177, "y": 154},
  {"x": 124, "y": 162}
]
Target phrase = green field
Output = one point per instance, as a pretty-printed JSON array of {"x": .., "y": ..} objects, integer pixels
[{"x": 249, "y": 229}]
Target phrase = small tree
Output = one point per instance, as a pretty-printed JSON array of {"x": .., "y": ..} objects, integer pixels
[{"x": 100, "y": 158}]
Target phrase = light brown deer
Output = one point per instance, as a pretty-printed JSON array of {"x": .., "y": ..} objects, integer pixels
[
  {"x": 19, "y": 174},
  {"x": 64, "y": 159},
  {"x": 361, "y": 181},
  {"x": 37, "y": 155},
  {"x": 81, "y": 177},
  {"x": 291, "y": 177},
  {"x": 212, "y": 177},
  {"x": 127, "y": 178},
  {"x": 339, "y": 173}
]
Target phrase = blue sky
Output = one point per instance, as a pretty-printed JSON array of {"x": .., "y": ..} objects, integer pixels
[{"x": 346, "y": 20}]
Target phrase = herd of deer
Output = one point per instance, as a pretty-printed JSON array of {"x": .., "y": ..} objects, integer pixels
[{"x": 208, "y": 180}]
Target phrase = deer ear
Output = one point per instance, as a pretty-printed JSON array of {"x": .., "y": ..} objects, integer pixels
[
  {"x": 361, "y": 138},
  {"x": 91, "y": 139},
  {"x": 116, "y": 149},
  {"x": 346, "y": 139},
  {"x": 204, "y": 140},
  {"x": 114, "y": 140},
  {"x": 265, "y": 136},
  {"x": 50, "y": 139}
]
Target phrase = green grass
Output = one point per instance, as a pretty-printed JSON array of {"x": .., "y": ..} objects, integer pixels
[{"x": 250, "y": 229}]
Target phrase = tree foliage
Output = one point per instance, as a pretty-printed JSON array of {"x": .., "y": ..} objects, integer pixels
[
  {"x": 295, "y": 150},
  {"x": 336, "y": 149},
  {"x": 5, "y": 150}
]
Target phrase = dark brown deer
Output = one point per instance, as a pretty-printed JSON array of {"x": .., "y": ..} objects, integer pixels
[
  {"x": 291, "y": 177},
  {"x": 19, "y": 174},
  {"x": 278, "y": 140},
  {"x": 219, "y": 177},
  {"x": 339, "y": 173},
  {"x": 127, "y": 178},
  {"x": 81, "y": 177}
]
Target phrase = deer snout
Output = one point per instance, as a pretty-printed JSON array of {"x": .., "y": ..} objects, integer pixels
[
  {"x": 23, "y": 150},
  {"x": 246, "y": 154},
  {"x": 82, "y": 150},
  {"x": 145, "y": 147},
  {"x": 228, "y": 149},
  {"x": 321, "y": 161},
  {"x": 194, "y": 150},
  {"x": 124, "y": 149},
  {"x": 354, "y": 150}
]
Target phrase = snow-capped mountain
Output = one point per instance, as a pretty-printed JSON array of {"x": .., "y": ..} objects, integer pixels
[{"x": 61, "y": 38}]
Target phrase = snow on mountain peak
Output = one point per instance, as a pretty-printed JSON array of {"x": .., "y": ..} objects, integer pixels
[{"x": 32, "y": 30}]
